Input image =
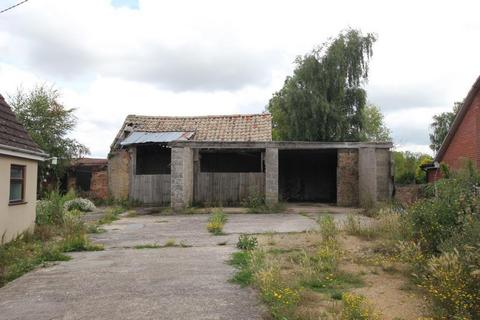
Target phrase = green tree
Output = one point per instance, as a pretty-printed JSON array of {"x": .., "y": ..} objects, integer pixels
[
  {"x": 441, "y": 125},
  {"x": 324, "y": 100},
  {"x": 374, "y": 128},
  {"x": 49, "y": 123},
  {"x": 407, "y": 167}
]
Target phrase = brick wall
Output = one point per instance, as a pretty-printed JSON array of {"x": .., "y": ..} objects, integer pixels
[
  {"x": 347, "y": 177},
  {"x": 119, "y": 174},
  {"x": 408, "y": 194},
  {"x": 464, "y": 144},
  {"x": 99, "y": 184}
]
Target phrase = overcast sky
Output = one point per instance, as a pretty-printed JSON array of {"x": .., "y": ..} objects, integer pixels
[{"x": 110, "y": 58}]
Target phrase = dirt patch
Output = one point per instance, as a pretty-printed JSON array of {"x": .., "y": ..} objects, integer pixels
[{"x": 386, "y": 287}]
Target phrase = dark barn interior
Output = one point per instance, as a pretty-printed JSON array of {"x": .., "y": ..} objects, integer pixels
[
  {"x": 230, "y": 161},
  {"x": 308, "y": 175},
  {"x": 153, "y": 159}
]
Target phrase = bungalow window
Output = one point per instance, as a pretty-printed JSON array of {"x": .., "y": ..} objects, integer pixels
[
  {"x": 17, "y": 184},
  {"x": 153, "y": 159}
]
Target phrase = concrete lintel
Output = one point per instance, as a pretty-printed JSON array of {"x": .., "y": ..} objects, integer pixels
[{"x": 281, "y": 145}]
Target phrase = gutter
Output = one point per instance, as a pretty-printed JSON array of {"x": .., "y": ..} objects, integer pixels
[{"x": 23, "y": 153}]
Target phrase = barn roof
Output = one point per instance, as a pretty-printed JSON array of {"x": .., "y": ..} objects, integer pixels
[
  {"x": 458, "y": 119},
  {"x": 13, "y": 135},
  {"x": 246, "y": 127}
]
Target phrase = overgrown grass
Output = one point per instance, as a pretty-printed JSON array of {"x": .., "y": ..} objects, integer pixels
[
  {"x": 284, "y": 275},
  {"x": 217, "y": 220},
  {"x": 57, "y": 231}
]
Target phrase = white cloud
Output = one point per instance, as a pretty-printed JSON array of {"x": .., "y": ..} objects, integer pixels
[{"x": 207, "y": 57}]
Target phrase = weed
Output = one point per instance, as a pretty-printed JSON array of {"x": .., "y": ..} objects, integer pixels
[
  {"x": 148, "y": 246},
  {"x": 246, "y": 242},
  {"x": 94, "y": 228},
  {"x": 131, "y": 214},
  {"x": 216, "y": 222},
  {"x": 356, "y": 307},
  {"x": 170, "y": 243},
  {"x": 328, "y": 229}
]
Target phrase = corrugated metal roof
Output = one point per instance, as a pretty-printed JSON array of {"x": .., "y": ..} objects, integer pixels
[{"x": 152, "y": 137}]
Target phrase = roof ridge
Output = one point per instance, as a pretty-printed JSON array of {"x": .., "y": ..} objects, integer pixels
[{"x": 238, "y": 115}]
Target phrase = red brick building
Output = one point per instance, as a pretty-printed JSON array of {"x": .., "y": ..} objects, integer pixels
[
  {"x": 88, "y": 176},
  {"x": 463, "y": 140}
]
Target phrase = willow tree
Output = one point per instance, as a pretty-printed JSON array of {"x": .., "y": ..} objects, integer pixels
[{"x": 324, "y": 99}]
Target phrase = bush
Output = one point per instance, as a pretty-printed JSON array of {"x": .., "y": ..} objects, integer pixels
[
  {"x": 81, "y": 204},
  {"x": 453, "y": 285},
  {"x": 246, "y": 242}
]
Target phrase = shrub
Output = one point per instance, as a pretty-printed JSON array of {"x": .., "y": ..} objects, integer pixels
[
  {"x": 356, "y": 307},
  {"x": 452, "y": 203},
  {"x": 81, "y": 204},
  {"x": 216, "y": 222},
  {"x": 246, "y": 242},
  {"x": 453, "y": 285},
  {"x": 255, "y": 203}
]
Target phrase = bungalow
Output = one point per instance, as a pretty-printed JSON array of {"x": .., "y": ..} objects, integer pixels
[
  {"x": 463, "y": 139},
  {"x": 225, "y": 159},
  {"x": 19, "y": 157}
]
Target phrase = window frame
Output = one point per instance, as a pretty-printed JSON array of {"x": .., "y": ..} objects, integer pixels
[{"x": 21, "y": 180}]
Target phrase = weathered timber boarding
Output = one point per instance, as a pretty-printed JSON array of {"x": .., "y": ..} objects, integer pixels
[
  {"x": 151, "y": 188},
  {"x": 228, "y": 187}
]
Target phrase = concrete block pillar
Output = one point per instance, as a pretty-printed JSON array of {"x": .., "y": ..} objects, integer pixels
[
  {"x": 271, "y": 175},
  {"x": 367, "y": 177},
  {"x": 181, "y": 178}
]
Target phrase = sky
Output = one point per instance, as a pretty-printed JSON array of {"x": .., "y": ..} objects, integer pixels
[{"x": 111, "y": 58}]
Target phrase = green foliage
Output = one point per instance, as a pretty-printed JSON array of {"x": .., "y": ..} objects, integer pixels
[
  {"x": 246, "y": 242},
  {"x": 49, "y": 124},
  {"x": 407, "y": 167},
  {"x": 324, "y": 100},
  {"x": 453, "y": 202},
  {"x": 441, "y": 125},
  {"x": 241, "y": 260},
  {"x": 374, "y": 128}
]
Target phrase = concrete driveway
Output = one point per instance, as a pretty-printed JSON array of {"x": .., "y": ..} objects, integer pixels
[{"x": 122, "y": 282}]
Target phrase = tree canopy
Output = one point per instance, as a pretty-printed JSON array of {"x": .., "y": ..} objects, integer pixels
[
  {"x": 49, "y": 123},
  {"x": 374, "y": 128},
  {"x": 441, "y": 125},
  {"x": 324, "y": 100},
  {"x": 407, "y": 167}
]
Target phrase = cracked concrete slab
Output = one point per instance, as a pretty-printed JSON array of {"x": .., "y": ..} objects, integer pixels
[{"x": 163, "y": 283}]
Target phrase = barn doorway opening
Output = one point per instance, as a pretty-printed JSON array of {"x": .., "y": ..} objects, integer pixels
[{"x": 308, "y": 175}]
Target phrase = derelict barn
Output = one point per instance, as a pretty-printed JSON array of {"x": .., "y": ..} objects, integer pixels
[{"x": 221, "y": 160}]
